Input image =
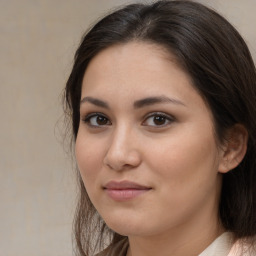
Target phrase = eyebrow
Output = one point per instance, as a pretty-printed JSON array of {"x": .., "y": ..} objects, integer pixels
[
  {"x": 156, "y": 100},
  {"x": 97, "y": 102},
  {"x": 137, "y": 104}
]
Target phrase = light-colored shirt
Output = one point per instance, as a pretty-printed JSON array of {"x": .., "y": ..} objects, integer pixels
[{"x": 221, "y": 246}]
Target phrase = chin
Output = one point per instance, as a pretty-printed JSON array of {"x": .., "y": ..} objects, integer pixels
[
  {"x": 129, "y": 227},
  {"x": 125, "y": 226}
]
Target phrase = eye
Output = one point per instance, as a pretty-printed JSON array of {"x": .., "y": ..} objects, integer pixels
[
  {"x": 158, "y": 120},
  {"x": 96, "y": 120}
]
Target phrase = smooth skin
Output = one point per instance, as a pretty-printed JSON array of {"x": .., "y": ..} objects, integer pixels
[{"x": 143, "y": 121}]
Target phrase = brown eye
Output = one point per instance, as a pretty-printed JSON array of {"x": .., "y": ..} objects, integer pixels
[
  {"x": 101, "y": 120},
  {"x": 158, "y": 120},
  {"x": 97, "y": 120}
]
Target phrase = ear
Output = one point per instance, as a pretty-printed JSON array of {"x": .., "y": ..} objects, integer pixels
[{"x": 234, "y": 148}]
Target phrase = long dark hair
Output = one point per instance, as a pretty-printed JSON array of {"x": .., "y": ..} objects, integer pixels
[{"x": 219, "y": 63}]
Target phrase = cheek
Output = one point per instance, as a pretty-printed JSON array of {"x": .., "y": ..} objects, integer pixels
[
  {"x": 185, "y": 161},
  {"x": 185, "y": 175},
  {"x": 88, "y": 157}
]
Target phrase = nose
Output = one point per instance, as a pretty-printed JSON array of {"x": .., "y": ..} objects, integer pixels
[{"x": 123, "y": 151}]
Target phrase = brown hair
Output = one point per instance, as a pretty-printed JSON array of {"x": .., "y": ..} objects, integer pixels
[{"x": 219, "y": 63}]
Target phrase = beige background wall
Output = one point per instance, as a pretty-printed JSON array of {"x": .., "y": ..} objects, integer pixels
[{"x": 37, "y": 42}]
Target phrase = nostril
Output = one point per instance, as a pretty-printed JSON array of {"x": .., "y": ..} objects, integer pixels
[{"x": 121, "y": 162}]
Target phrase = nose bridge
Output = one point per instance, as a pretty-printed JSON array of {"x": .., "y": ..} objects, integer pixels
[
  {"x": 122, "y": 151},
  {"x": 120, "y": 137}
]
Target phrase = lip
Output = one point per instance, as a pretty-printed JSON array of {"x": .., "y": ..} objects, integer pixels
[{"x": 125, "y": 190}]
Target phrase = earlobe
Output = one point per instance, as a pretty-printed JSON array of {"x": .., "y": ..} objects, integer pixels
[{"x": 234, "y": 149}]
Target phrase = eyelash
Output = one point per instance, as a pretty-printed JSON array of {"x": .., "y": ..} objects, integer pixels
[
  {"x": 88, "y": 118},
  {"x": 167, "y": 119}
]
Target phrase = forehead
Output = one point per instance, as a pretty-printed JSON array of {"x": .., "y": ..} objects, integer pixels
[{"x": 134, "y": 64}]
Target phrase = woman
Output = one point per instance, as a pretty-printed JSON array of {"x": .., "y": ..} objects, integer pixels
[{"x": 162, "y": 99}]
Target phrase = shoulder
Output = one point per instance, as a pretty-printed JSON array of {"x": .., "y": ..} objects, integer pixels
[
  {"x": 241, "y": 247},
  {"x": 225, "y": 245},
  {"x": 117, "y": 249}
]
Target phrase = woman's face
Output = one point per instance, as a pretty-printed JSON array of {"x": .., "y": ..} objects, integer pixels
[{"x": 145, "y": 147}]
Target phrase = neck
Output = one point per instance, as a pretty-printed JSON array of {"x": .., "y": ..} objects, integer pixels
[{"x": 178, "y": 241}]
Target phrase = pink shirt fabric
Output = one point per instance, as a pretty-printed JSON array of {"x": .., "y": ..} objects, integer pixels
[
  {"x": 224, "y": 246},
  {"x": 221, "y": 246}
]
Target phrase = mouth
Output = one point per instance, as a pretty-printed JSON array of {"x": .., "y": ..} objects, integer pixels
[{"x": 125, "y": 190}]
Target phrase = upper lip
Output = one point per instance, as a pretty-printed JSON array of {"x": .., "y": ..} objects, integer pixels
[{"x": 122, "y": 185}]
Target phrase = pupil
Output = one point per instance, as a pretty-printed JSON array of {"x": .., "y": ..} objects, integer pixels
[
  {"x": 101, "y": 120},
  {"x": 159, "y": 120}
]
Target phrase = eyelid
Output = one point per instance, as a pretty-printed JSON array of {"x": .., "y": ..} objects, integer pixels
[
  {"x": 87, "y": 117},
  {"x": 168, "y": 117}
]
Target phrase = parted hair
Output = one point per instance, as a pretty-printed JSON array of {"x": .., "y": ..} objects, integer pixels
[{"x": 222, "y": 70}]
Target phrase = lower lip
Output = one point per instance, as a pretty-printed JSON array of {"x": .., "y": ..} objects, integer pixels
[{"x": 125, "y": 194}]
